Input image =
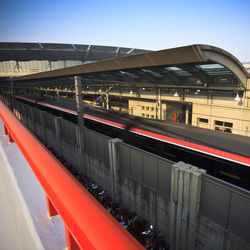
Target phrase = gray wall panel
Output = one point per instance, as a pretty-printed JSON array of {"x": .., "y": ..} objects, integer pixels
[
  {"x": 68, "y": 131},
  {"x": 92, "y": 142},
  {"x": 124, "y": 159},
  {"x": 164, "y": 179},
  {"x": 150, "y": 171},
  {"x": 215, "y": 202},
  {"x": 239, "y": 218},
  {"x": 100, "y": 147},
  {"x": 136, "y": 164}
]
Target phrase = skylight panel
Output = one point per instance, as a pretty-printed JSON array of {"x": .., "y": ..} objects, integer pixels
[
  {"x": 130, "y": 75},
  {"x": 153, "y": 73},
  {"x": 178, "y": 71},
  {"x": 214, "y": 69}
]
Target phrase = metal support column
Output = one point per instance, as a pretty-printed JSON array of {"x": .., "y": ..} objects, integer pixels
[
  {"x": 187, "y": 114},
  {"x": 79, "y": 104},
  {"x": 12, "y": 95},
  {"x": 80, "y": 128},
  {"x": 107, "y": 101},
  {"x": 158, "y": 105}
]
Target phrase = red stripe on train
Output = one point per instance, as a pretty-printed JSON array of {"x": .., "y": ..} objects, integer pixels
[
  {"x": 178, "y": 142},
  {"x": 115, "y": 124},
  {"x": 193, "y": 146}
]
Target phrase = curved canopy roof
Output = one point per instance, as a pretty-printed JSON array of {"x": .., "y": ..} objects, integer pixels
[{"x": 194, "y": 66}]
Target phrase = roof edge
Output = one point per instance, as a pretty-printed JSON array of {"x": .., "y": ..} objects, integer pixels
[{"x": 218, "y": 55}]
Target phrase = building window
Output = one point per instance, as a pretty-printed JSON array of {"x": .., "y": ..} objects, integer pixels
[
  {"x": 223, "y": 126},
  {"x": 219, "y": 123},
  {"x": 147, "y": 115},
  {"x": 152, "y": 116},
  {"x": 152, "y": 109},
  {"x": 147, "y": 108},
  {"x": 203, "y": 120},
  {"x": 143, "y": 114},
  {"x": 142, "y": 107}
]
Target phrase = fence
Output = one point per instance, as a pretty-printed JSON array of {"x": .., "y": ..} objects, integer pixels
[{"x": 190, "y": 208}]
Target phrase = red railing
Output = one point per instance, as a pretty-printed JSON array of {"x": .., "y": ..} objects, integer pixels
[{"x": 87, "y": 224}]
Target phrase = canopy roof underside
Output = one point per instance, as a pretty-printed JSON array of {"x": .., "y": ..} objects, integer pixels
[{"x": 194, "y": 66}]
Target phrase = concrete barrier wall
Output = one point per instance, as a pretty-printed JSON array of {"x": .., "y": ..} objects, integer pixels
[
  {"x": 178, "y": 199},
  {"x": 144, "y": 184}
]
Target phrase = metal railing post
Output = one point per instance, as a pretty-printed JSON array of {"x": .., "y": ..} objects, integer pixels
[
  {"x": 79, "y": 104},
  {"x": 51, "y": 209},
  {"x": 5, "y": 130},
  {"x": 70, "y": 241}
]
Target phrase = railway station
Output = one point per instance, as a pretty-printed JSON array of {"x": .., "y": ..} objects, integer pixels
[{"x": 160, "y": 139}]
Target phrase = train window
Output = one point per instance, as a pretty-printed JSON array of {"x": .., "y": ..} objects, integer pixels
[{"x": 203, "y": 120}]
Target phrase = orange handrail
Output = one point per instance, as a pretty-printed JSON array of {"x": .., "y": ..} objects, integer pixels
[{"x": 88, "y": 225}]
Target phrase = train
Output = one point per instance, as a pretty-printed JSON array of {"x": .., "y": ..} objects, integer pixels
[{"x": 223, "y": 155}]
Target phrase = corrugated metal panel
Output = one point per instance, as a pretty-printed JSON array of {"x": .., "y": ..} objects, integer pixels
[
  {"x": 86, "y": 140},
  {"x": 49, "y": 122},
  {"x": 96, "y": 144},
  {"x": 239, "y": 218},
  {"x": 164, "y": 178},
  {"x": 124, "y": 158},
  {"x": 214, "y": 203},
  {"x": 136, "y": 164},
  {"x": 92, "y": 143},
  {"x": 150, "y": 171},
  {"x": 68, "y": 131},
  {"x": 102, "y": 148}
]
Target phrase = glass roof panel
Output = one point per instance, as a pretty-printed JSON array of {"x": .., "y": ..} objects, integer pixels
[
  {"x": 130, "y": 75},
  {"x": 152, "y": 73},
  {"x": 214, "y": 69},
  {"x": 178, "y": 71},
  {"x": 211, "y": 66}
]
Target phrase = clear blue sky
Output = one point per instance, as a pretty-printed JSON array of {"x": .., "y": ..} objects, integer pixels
[{"x": 155, "y": 24}]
